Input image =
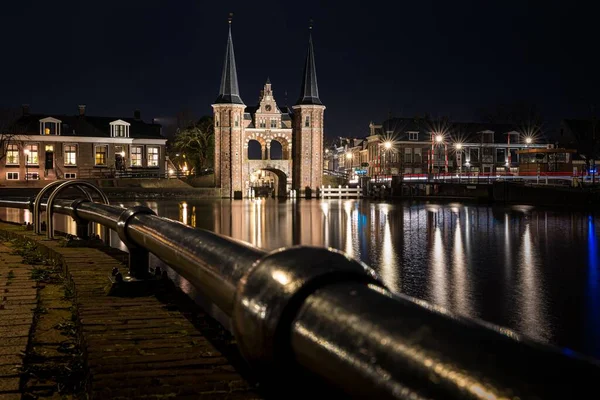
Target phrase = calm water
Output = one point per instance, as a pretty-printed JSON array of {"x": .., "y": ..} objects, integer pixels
[{"x": 533, "y": 270}]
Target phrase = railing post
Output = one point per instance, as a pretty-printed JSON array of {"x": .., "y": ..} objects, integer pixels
[{"x": 139, "y": 258}]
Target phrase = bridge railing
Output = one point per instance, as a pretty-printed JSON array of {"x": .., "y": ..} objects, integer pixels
[{"x": 321, "y": 310}]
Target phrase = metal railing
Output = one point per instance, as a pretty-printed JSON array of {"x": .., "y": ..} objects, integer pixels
[{"x": 321, "y": 310}]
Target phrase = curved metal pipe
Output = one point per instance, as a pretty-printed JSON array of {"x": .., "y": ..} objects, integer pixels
[
  {"x": 357, "y": 336},
  {"x": 81, "y": 184}
]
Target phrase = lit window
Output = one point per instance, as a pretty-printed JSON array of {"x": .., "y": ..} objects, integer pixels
[
  {"x": 12, "y": 176},
  {"x": 153, "y": 156},
  {"x": 49, "y": 147},
  {"x": 70, "y": 154},
  {"x": 136, "y": 156},
  {"x": 46, "y": 131},
  {"x": 32, "y": 157},
  {"x": 12, "y": 154},
  {"x": 307, "y": 121},
  {"x": 101, "y": 152}
]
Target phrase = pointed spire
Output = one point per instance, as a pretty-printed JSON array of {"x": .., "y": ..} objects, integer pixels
[
  {"x": 268, "y": 81},
  {"x": 309, "y": 92},
  {"x": 229, "y": 92}
]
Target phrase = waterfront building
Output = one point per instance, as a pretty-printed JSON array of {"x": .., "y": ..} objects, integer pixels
[
  {"x": 44, "y": 147},
  {"x": 405, "y": 146}
]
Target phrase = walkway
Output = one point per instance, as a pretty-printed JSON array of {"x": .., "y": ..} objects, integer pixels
[{"x": 152, "y": 346}]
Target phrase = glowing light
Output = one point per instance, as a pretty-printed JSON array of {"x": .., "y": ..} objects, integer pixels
[
  {"x": 348, "y": 155},
  {"x": 281, "y": 277},
  {"x": 458, "y": 146},
  {"x": 122, "y": 154},
  {"x": 439, "y": 138},
  {"x": 387, "y": 145},
  {"x": 528, "y": 140},
  {"x": 26, "y": 151}
]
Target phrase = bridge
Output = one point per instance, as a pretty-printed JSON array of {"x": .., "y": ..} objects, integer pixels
[{"x": 317, "y": 311}]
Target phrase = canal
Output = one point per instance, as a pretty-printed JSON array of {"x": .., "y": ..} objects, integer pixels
[{"x": 530, "y": 269}]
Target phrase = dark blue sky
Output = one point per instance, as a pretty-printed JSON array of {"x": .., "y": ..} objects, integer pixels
[{"x": 444, "y": 58}]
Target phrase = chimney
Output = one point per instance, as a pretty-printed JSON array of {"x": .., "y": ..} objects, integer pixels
[
  {"x": 137, "y": 115},
  {"x": 25, "y": 109},
  {"x": 81, "y": 110}
]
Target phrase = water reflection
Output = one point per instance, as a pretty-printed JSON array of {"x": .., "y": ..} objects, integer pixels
[{"x": 533, "y": 271}]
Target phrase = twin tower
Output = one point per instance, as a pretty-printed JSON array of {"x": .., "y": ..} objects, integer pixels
[{"x": 299, "y": 130}]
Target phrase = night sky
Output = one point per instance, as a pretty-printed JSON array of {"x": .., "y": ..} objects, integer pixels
[{"x": 373, "y": 58}]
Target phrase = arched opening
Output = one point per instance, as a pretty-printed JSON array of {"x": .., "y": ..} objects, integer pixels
[
  {"x": 269, "y": 183},
  {"x": 276, "y": 150},
  {"x": 255, "y": 151},
  {"x": 283, "y": 148}
]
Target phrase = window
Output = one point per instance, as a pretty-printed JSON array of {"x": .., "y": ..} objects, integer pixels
[
  {"x": 32, "y": 176},
  {"x": 273, "y": 123},
  {"x": 33, "y": 157},
  {"x": 70, "y": 155},
  {"x": 237, "y": 121},
  {"x": 70, "y": 175},
  {"x": 136, "y": 156},
  {"x": 119, "y": 131},
  {"x": 501, "y": 156},
  {"x": 307, "y": 121},
  {"x": 262, "y": 124},
  {"x": 487, "y": 137},
  {"x": 49, "y": 128},
  {"x": 408, "y": 154},
  {"x": 473, "y": 155},
  {"x": 152, "y": 156},
  {"x": 12, "y": 176},
  {"x": 101, "y": 155},
  {"x": 49, "y": 147},
  {"x": 417, "y": 157},
  {"x": 413, "y": 136},
  {"x": 12, "y": 154}
]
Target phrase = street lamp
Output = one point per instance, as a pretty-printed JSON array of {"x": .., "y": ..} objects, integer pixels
[
  {"x": 26, "y": 151},
  {"x": 459, "y": 147},
  {"x": 439, "y": 138},
  {"x": 528, "y": 140}
]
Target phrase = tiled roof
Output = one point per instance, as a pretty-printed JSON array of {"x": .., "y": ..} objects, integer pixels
[{"x": 88, "y": 126}]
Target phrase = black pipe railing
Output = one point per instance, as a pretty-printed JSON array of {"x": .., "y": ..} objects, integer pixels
[{"x": 319, "y": 309}]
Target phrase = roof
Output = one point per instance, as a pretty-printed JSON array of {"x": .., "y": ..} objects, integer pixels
[
  {"x": 229, "y": 92},
  {"x": 399, "y": 128},
  {"x": 89, "y": 126},
  {"x": 309, "y": 91}
]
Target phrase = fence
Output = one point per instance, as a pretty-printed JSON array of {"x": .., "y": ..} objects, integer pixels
[
  {"x": 318, "y": 309},
  {"x": 329, "y": 192}
]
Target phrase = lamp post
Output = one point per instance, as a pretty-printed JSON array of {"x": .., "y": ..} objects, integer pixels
[
  {"x": 459, "y": 147},
  {"x": 26, "y": 151},
  {"x": 387, "y": 146},
  {"x": 439, "y": 139},
  {"x": 349, "y": 164}
]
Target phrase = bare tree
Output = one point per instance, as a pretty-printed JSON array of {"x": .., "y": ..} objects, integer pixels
[
  {"x": 524, "y": 117},
  {"x": 9, "y": 129}
]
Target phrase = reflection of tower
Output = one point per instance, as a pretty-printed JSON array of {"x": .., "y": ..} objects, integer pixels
[
  {"x": 308, "y": 130},
  {"x": 229, "y": 116}
]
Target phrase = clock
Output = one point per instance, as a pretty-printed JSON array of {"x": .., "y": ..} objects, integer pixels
[{"x": 268, "y": 107}]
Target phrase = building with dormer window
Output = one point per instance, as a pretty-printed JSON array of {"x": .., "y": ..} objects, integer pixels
[{"x": 47, "y": 147}]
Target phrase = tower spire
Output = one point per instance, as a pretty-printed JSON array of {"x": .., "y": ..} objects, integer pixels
[
  {"x": 309, "y": 91},
  {"x": 229, "y": 92}
]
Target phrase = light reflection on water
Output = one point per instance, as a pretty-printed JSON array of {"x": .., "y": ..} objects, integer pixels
[{"x": 534, "y": 271}]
